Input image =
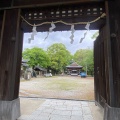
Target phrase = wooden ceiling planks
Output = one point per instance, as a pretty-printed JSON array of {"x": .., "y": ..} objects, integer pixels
[{"x": 64, "y": 11}]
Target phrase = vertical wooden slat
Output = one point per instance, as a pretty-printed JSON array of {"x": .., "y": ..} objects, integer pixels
[
  {"x": 1, "y": 28},
  {"x": 1, "y": 39},
  {"x": 110, "y": 69},
  {"x": 18, "y": 67}
]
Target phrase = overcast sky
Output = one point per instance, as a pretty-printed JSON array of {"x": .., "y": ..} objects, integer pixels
[{"x": 60, "y": 37}]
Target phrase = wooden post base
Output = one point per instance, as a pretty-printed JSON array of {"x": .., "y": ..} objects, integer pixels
[
  {"x": 10, "y": 110},
  {"x": 111, "y": 113}
]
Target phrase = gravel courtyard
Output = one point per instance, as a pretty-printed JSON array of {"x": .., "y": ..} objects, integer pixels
[{"x": 62, "y": 87}]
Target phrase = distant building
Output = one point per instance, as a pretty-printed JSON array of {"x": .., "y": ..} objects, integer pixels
[
  {"x": 74, "y": 69},
  {"x": 40, "y": 71},
  {"x": 25, "y": 70}
]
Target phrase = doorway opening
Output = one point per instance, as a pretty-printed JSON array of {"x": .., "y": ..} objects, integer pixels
[
  {"x": 33, "y": 17},
  {"x": 63, "y": 84}
]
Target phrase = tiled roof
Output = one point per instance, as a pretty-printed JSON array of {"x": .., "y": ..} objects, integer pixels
[
  {"x": 39, "y": 68},
  {"x": 74, "y": 64}
]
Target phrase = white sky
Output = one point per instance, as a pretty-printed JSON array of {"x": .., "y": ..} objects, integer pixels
[{"x": 60, "y": 37}]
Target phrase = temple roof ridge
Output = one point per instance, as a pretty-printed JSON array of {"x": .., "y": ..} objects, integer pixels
[{"x": 74, "y": 64}]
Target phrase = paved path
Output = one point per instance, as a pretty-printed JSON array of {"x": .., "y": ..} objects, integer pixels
[{"x": 53, "y": 109}]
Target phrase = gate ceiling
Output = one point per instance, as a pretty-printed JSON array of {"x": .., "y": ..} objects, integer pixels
[{"x": 68, "y": 13}]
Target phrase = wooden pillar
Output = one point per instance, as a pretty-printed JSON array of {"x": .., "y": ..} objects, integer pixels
[
  {"x": 112, "y": 110},
  {"x": 10, "y": 62},
  {"x": 113, "y": 21},
  {"x": 111, "y": 101}
]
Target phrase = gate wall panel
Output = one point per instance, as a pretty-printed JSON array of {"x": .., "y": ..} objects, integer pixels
[
  {"x": 115, "y": 47},
  {"x": 100, "y": 69}
]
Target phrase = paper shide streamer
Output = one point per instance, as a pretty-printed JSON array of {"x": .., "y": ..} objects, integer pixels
[
  {"x": 50, "y": 30},
  {"x": 87, "y": 27},
  {"x": 72, "y": 34},
  {"x": 34, "y": 32}
]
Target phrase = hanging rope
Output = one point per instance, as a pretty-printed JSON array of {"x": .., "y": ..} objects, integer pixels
[
  {"x": 34, "y": 32},
  {"x": 83, "y": 23}
]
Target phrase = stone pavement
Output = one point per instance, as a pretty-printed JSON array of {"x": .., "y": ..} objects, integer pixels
[{"x": 53, "y": 109}]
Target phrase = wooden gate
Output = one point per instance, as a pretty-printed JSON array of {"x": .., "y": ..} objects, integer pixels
[{"x": 106, "y": 49}]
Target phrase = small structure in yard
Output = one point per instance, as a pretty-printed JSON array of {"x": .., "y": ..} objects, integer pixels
[
  {"x": 73, "y": 69},
  {"x": 40, "y": 71},
  {"x": 25, "y": 70}
]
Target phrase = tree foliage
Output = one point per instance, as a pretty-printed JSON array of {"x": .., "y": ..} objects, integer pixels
[
  {"x": 36, "y": 56},
  {"x": 95, "y": 35},
  {"x": 59, "y": 57},
  {"x": 84, "y": 57}
]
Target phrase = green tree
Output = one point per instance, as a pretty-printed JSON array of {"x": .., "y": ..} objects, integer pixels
[
  {"x": 36, "y": 56},
  {"x": 59, "y": 57},
  {"x": 84, "y": 57},
  {"x": 95, "y": 35}
]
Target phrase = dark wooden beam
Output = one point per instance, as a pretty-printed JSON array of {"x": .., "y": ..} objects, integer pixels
[
  {"x": 5, "y": 4},
  {"x": 10, "y": 58},
  {"x": 50, "y": 2}
]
